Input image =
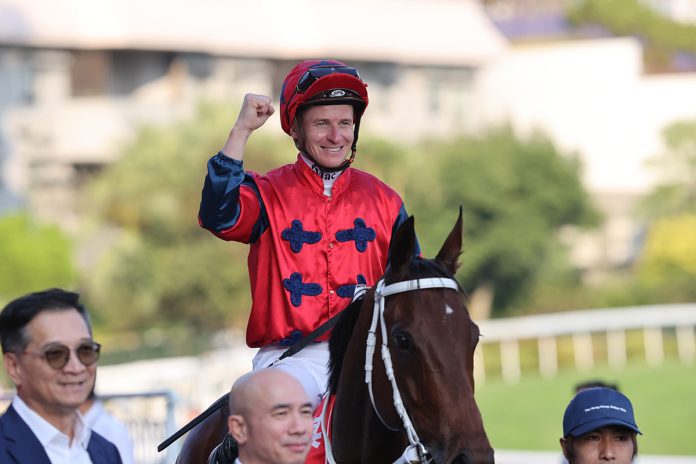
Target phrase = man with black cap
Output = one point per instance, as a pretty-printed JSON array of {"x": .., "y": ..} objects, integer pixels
[{"x": 598, "y": 427}]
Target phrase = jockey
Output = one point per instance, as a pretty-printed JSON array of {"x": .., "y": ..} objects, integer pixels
[{"x": 316, "y": 228}]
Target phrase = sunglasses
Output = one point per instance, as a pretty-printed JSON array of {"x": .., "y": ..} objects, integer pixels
[
  {"x": 58, "y": 356},
  {"x": 314, "y": 74}
]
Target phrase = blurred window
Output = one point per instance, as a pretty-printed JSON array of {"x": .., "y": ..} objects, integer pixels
[{"x": 90, "y": 72}]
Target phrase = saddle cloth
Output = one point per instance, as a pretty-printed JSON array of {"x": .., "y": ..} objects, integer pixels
[{"x": 317, "y": 453}]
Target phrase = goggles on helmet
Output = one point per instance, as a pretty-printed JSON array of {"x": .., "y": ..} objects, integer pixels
[
  {"x": 337, "y": 82},
  {"x": 314, "y": 74}
]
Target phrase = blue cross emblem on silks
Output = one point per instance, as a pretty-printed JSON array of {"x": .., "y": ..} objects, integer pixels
[
  {"x": 348, "y": 290},
  {"x": 361, "y": 234},
  {"x": 294, "y": 337},
  {"x": 297, "y": 237},
  {"x": 297, "y": 288}
]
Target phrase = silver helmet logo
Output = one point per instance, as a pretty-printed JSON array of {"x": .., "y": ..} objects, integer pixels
[{"x": 337, "y": 93}]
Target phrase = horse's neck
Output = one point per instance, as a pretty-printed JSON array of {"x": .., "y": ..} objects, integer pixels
[
  {"x": 353, "y": 416},
  {"x": 358, "y": 435},
  {"x": 201, "y": 440}
]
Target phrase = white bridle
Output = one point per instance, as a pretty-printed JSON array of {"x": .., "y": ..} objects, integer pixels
[{"x": 415, "y": 452}]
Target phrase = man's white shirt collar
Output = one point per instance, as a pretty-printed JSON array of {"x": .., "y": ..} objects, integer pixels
[{"x": 49, "y": 436}]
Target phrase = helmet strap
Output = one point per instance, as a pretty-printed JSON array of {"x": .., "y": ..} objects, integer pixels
[{"x": 354, "y": 148}]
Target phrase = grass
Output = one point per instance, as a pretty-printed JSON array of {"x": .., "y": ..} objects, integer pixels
[{"x": 528, "y": 415}]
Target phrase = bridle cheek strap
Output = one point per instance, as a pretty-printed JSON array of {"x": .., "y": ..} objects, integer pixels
[{"x": 381, "y": 292}]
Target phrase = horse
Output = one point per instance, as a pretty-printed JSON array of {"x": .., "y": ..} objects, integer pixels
[
  {"x": 424, "y": 397},
  {"x": 422, "y": 402},
  {"x": 204, "y": 438}
]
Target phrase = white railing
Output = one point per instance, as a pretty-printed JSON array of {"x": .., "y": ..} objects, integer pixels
[{"x": 580, "y": 326}]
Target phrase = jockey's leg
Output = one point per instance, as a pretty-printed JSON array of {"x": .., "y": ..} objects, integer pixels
[{"x": 309, "y": 366}]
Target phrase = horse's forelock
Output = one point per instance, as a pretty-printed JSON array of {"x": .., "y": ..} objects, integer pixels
[{"x": 420, "y": 268}]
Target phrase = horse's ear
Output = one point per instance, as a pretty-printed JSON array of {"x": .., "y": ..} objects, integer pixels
[
  {"x": 402, "y": 248},
  {"x": 452, "y": 248}
]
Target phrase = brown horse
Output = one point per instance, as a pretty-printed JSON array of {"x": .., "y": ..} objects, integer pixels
[
  {"x": 203, "y": 438},
  {"x": 431, "y": 340}
]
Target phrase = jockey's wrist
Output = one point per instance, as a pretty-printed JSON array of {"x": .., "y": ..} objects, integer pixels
[{"x": 234, "y": 147}]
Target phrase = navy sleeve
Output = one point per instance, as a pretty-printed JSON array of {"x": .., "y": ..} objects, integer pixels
[{"x": 220, "y": 199}]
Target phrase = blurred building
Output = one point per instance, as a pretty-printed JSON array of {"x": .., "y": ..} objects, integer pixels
[
  {"x": 594, "y": 99},
  {"x": 595, "y": 95},
  {"x": 679, "y": 10},
  {"x": 78, "y": 76}
]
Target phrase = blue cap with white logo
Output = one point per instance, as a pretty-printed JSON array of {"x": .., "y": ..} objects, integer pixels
[{"x": 594, "y": 408}]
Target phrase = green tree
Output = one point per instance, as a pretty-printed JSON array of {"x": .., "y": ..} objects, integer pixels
[
  {"x": 668, "y": 262},
  {"x": 158, "y": 268},
  {"x": 516, "y": 195},
  {"x": 387, "y": 160},
  {"x": 33, "y": 256},
  {"x": 675, "y": 193},
  {"x": 667, "y": 266},
  {"x": 662, "y": 36}
]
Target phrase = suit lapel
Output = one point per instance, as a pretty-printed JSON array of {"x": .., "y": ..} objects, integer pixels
[
  {"x": 22, "y": 444},
  {"x": 96, "y": 453}
]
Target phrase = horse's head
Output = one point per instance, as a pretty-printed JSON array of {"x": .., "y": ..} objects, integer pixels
[{"x": 432, "y": 340}]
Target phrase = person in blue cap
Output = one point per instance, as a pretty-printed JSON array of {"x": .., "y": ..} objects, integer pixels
[{"x": 599, "y": 427}]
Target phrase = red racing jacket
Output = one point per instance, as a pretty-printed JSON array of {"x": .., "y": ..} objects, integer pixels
[{"x": 308, "y": 250}]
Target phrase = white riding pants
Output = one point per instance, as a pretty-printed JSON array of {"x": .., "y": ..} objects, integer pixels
[{"x": 310, "y": 366}]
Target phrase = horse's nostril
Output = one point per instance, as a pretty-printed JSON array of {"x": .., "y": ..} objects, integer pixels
[
  {"x": 461, "y": 458},
  {"x": 479, "y": 458}
]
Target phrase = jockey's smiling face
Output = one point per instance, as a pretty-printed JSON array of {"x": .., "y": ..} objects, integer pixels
[
  {"x": 328, "y": 133},
  {"x": 276, "y": 424}
]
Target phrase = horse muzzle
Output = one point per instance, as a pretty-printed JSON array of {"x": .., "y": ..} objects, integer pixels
[{"x": 478, "y": 457}]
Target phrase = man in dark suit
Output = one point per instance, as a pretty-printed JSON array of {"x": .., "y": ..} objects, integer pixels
[{"x": 51, "y": 358}]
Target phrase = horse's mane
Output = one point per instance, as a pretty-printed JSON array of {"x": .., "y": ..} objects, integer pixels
[
  {"x": 419, "y": 268},
  {"x": 340, "y": 336}
]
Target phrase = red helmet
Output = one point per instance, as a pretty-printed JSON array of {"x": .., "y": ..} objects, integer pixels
[
  {"x": 327, "y": 82},
  {"x": 322, "y": 82}
]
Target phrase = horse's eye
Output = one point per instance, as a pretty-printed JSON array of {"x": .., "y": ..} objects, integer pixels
[{"x": 402, "y": 341}]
